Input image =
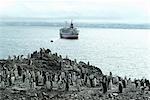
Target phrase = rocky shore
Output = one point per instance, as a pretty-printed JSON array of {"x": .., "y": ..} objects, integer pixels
[{"x": 44, "y": 75}]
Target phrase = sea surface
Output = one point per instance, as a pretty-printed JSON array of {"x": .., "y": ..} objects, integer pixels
[{"x": 124, "y": 52}]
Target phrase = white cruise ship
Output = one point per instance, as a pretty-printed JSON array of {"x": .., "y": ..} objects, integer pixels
[{"x": 69, "y": 32}]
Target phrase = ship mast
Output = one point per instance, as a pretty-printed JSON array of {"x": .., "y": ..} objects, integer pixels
[{"x": 71, "y": 25}]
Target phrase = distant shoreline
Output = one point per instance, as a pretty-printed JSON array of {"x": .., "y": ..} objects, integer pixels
[{"x": 78, "y": 24}]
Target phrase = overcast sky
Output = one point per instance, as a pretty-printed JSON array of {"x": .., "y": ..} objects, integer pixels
[{"x": 125, "y": 10}]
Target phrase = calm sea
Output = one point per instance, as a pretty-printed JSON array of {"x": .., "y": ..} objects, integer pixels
[{"x": 125, "y": 52}]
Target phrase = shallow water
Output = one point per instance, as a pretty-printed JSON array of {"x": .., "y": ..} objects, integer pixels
[{"x": 122, "y": 51}]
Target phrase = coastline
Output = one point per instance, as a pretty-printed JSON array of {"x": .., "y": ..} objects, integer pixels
[{"x": 44, "y": 75}]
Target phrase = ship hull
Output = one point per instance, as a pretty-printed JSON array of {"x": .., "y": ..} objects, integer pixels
[{"x": 69, "y": 36}]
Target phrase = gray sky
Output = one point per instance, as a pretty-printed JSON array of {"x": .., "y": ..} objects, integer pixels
[{"x": 106, "y": 10}]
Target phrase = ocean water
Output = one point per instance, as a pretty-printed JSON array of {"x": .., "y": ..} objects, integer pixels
[{"x": 124, "y": 52}]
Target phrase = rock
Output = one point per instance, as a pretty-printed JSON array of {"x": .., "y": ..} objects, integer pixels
[{"x": 53, "y": 64}]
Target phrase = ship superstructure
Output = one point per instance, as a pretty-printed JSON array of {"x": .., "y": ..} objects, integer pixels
[{"x": 69, "y": 32}]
